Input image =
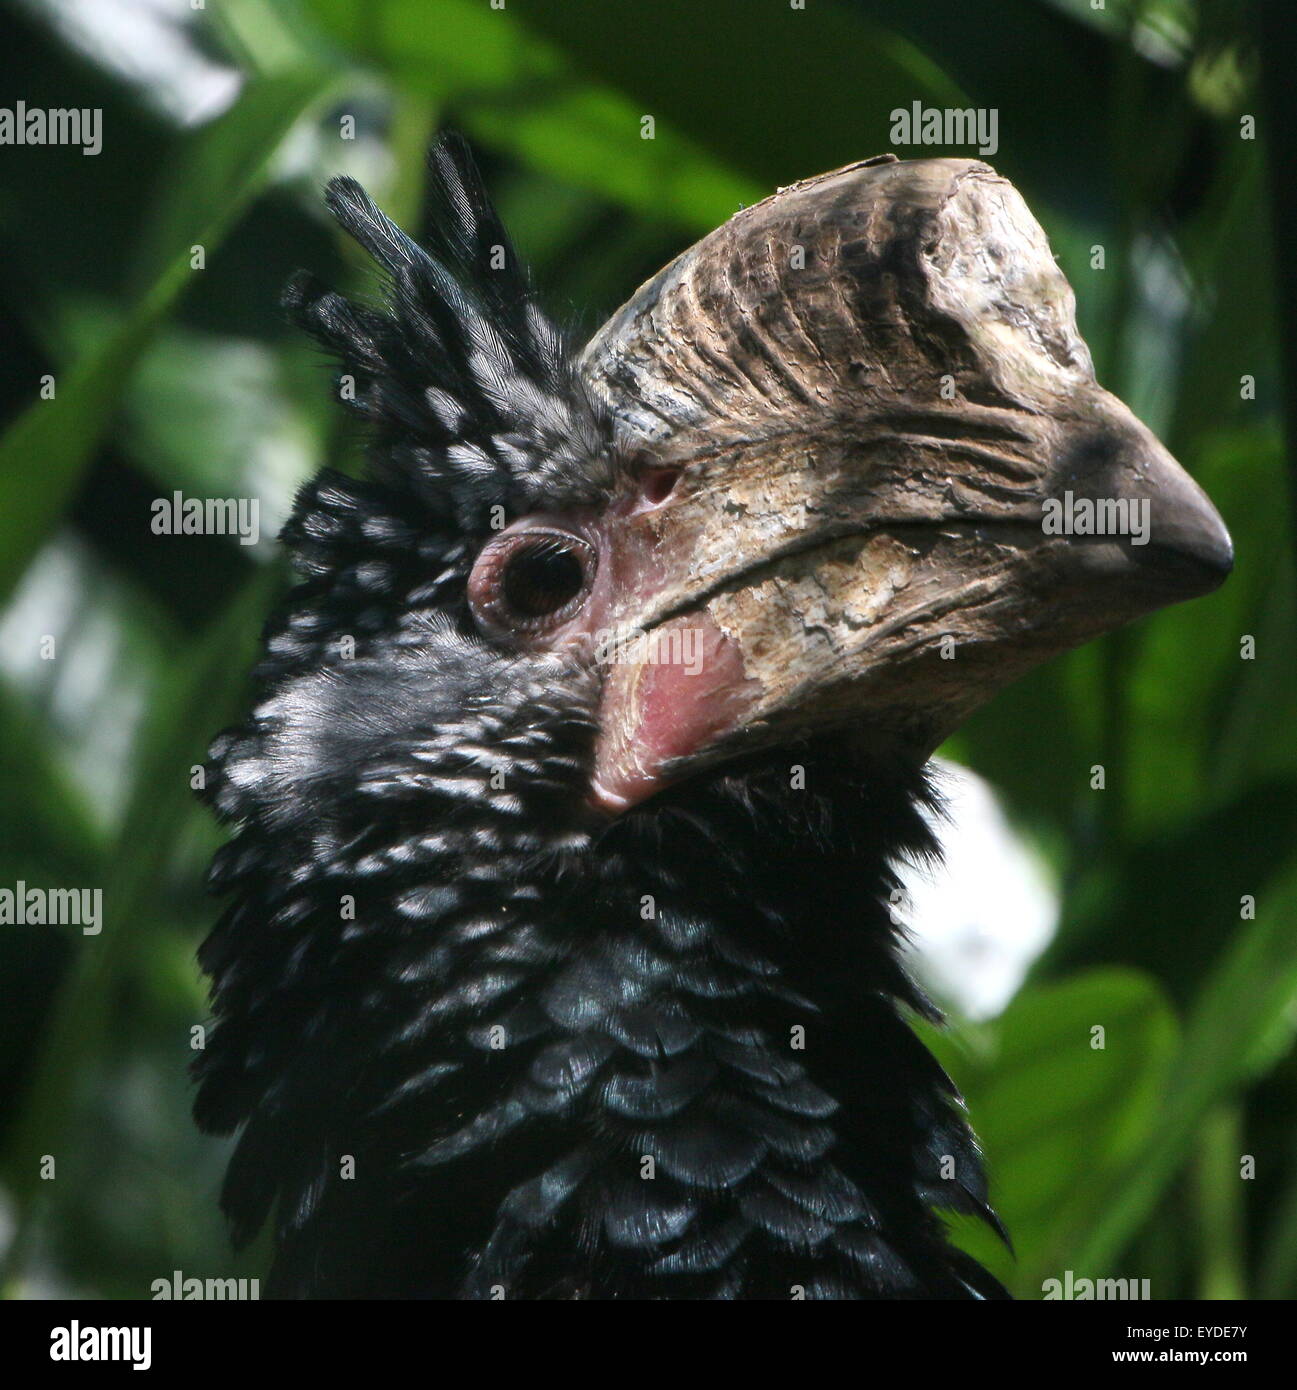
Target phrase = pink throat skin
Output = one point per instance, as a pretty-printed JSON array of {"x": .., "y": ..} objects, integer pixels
[{"x": 665, "y": 707}]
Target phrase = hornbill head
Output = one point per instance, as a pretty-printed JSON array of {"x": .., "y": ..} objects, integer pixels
[
  {"x": 798, "y": 493},
  {"x": 872, "y": 389}
]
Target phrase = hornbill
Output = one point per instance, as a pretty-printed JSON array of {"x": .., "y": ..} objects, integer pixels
[{"x": 560, "y": 960}]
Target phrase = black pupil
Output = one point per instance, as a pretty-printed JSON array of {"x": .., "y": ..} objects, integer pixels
[{"x": 540, "y": 580}]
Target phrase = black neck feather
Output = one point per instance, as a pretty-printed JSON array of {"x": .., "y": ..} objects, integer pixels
[{"x": 669, "y": 1060}]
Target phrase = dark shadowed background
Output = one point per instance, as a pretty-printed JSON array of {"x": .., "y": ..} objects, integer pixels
[{"x": 1144, "y": 137}]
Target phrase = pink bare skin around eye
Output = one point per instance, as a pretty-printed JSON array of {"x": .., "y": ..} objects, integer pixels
[{"x": 688, "y": 691}]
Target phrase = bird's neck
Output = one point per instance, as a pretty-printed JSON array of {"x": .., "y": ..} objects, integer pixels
[{"x": 668, "y": 1062}]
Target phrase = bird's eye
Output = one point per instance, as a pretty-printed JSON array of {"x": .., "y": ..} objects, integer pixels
[
  {"x": 541, "y": 578},
  {"x": 529, "y": 581}
]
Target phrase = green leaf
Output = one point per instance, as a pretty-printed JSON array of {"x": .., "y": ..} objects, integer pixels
[
  {"x": 848, "y": 75},
  {"x": 514, "y": 91},
  {"x": 209, "y": 414},
  {"x": 45, "y": 451},
  {"x": 48, "y": 821},
  {"x": 1242, "y": 1023},
  {"x": 1058, "y": 1116},
  {"x": 204, "y": 693}
]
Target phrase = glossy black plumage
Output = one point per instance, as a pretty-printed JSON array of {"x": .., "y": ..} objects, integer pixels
[{"x": 482, "y": 1042}]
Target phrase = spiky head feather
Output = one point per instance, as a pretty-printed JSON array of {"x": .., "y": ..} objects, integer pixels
[{"x": 470, "y": 391}]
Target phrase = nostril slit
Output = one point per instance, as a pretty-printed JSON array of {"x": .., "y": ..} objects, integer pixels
[{"x": 659, "y": 483}]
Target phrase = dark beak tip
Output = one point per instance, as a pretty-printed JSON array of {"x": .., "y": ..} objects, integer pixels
[
  {"x": 1191, "y": 532},
  {"x": 1212, "y": 548},
  {"x": 1198, "y": 560},
  {"x": 1224, "y": 557}
]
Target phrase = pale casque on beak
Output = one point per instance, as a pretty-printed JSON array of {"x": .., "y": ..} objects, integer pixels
[{"x": 895, "y": 483}]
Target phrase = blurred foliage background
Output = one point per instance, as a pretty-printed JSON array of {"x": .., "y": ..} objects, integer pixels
[{"x": 1126, "y": 129}]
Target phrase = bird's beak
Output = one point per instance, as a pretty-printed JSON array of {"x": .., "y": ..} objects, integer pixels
[{"x": 899, "y": 484}]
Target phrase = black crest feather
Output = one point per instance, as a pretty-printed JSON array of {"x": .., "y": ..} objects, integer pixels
[{"x": 472, "y": 395}]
